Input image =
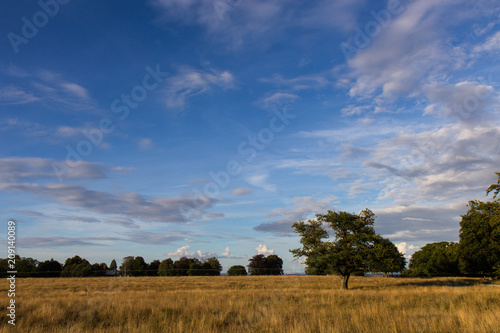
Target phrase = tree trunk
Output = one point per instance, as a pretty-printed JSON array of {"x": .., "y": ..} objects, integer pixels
[{"x": 344, "y": 282}]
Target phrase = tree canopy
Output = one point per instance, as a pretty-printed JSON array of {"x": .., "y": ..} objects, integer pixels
[
  {"x": 237, "y": 270},
  {"x": 480, "y": 239},
  {"x": 435, "y": 259},
  {"x": 262, "y": 265},
  {"x": 351, "y": 250}
]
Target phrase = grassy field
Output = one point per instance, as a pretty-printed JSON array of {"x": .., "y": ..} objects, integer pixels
[{"x": 253, "y": 304}]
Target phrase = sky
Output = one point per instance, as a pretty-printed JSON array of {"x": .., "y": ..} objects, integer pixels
[{"x": 169, "y": 128}]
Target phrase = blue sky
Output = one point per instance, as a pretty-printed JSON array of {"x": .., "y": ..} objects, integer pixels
[{"x": 166, "y": 128}]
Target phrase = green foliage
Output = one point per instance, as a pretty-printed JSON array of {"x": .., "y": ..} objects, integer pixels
[
  {"x": 237, "y": 270},
  {"x": 26, "y": 267},
  {"x": 495, "y": 188},
  {"x": 262, "y": 265},
  {"x": 435, "y": 259},
  {"x": 76, "y": 267},
  {"x": 207, "y": 267},
  {"x": 153, "y": 267},
  {"x": 113, "y": 265},
  {"x": 166, "y": 268},
  {"x": 355, "y": 245},
  {"x": 49, "y": 268},
  {"x": 480, "y": 239},
  {"x": 181, "y": 266},
  {"x": 313, "y": 248},
  {"x": 386, "y": 257}
]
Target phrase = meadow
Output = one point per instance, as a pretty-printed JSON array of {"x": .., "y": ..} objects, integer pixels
[{"x": 253, "y": 304}]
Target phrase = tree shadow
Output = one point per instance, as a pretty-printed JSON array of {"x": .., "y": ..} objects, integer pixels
[{"x": 424, "y": 282}]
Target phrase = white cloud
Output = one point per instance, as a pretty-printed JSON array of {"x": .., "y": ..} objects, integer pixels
[
  {"x": 145, "y": 143},
  {"x": 48, "y": 88},
  {"x": 263, "y": 249},
  {"x": 277, "y": 99},
  {"x": 130, "y": 204},
  {"x": 407, "y": 249},
  {"x": 16, "y": 95},
  {"x": 14, "y": 169},
  {"x": 240, "y": 191},
  {"x": 184, "y": 252},
  {"x": 492, "y": 44},
  {"x": 303, "y": 208},
  {"x": 466, "y": 101},
  {"x": 227, "y": 255},
  {"x": 260, "y": 180},
  {"x": 190, "y": 82},
  {"x": 238, "y": 24},
  {"x": 305, "y": 82}
]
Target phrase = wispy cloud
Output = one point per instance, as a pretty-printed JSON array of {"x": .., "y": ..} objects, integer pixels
[
  {"x": 257, "y": 23},
  {"x": 46, "y": 87},
  {"x": 303, "y": 208},
  {"x": 14, "y": 169},
  {"x": 190, "y": 82},
  {"x": 241, "y": 191},
  {"x": 130, "y": 204}
]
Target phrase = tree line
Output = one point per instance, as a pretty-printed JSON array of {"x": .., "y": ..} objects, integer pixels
[
  {"x": 356, "y": 248},
  {"x": 477, "y": 253},
  {"x": 137, "y": 266}
]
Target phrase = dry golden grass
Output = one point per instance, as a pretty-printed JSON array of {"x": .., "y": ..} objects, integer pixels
[{"x": 253, "y": 304}]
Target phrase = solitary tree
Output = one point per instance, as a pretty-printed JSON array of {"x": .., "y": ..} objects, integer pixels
[
  {"x": 352, "y": 247},
  {"x": 237, "y": 270}
]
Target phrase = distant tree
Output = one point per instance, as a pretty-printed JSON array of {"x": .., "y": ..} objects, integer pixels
[
  {"x": 435, "y": 259},
  {"x": 139, "y": 267},
  {"x": 262, "y": 265},
  {"x": 257, "y": 265},
  {"x": 181, "y": 266},
  {"x": 195, "y": 267},
  {"x": 127, "y": 266},
  {"x": 153, "y": 268},
  {"x": 49, "y": 268},
  {"x": 166, "y": 268},
  {"x": 237, "y": 270},
  {"x": 99, "y": 269},
  {"x": 386, "y": 257},
  {"x": 26, "y": 267},
  {"x": 351, "y": 248},
  {"x": 215, "y": 266},
  {"x": 113, "y": 265},
  {"x": 480, "y": 239},
  {"x": 4, "y": 267},
  {"x": 274, "y": 265},
  {"x": 76, "y": 267}
]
